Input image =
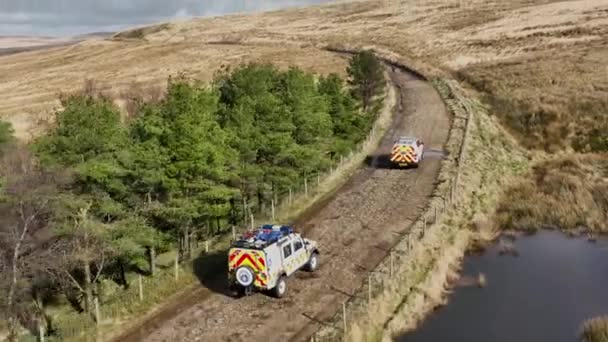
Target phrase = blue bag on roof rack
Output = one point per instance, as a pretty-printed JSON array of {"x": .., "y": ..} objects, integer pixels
[
  {"x": 271, "y": 233},
  {"x": 263, "y": 236}
]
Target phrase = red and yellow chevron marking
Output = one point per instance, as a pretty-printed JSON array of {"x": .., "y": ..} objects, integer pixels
[
  {"x": 253, "y": 259},
  {"x": 403, "y": 154}
]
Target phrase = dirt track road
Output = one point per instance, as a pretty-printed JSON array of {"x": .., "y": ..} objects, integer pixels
[{"x": 354, "y": 229}]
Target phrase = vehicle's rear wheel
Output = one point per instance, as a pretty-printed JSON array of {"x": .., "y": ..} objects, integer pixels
[
  {"x": 313, "y": 263},
  {"x": 244, "y": 276},
  {"x": 281, "y": 288},
  {"x": 243, "y": 291}
]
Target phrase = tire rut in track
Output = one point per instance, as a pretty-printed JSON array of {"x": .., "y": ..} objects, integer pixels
[{"x": 355, "y": 229}]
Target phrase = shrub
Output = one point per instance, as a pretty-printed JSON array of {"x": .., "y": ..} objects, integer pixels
[{"x": 566, "y": 192}]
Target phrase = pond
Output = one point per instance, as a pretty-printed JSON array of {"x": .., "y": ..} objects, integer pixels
[{"x": 544, "y": 294}]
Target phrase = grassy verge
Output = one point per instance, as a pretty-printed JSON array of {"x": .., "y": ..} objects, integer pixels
[
  {"x": 596, "y": 330},
  {"x": 123, "y": 309}
]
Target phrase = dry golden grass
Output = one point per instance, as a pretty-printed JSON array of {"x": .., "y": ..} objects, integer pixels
[
  {"x": 31, "y": 82},
  {"x": 596, "y": 330},
  {"x": 535, "y": 60},
  {"x": 568, "y": 192}
]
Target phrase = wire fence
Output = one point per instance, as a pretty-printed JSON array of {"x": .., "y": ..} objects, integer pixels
[{"x": 384, "y": 277}]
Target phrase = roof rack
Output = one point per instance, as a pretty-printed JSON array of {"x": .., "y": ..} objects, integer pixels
[
  {"x": 263, "y": 236},
  {"x": 406, "y": 140}
]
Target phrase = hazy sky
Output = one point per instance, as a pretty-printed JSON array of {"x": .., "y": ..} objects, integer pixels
[{"x": 72, "y": 17}]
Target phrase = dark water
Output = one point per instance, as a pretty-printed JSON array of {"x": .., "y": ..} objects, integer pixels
[{"x": 545, "y": 294}]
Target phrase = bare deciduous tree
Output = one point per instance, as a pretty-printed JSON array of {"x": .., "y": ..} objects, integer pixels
[
  {"x": 24, "y": 208},
  {"x": 84, "y": 249}
]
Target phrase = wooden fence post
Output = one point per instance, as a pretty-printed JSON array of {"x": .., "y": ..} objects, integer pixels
[
  {"x": 252, "y": 221},
  {"x": 451, "y": 198},
  {"x": 290, "y": 197},
  {"x": 391, "y": 263},
  {"x": 233, "y": 233},
  {"x": 41, "y": 333},
  {"x": 305, "y": 187},
  {"x": 344, "y": 318},
  {"x": 369, "y": 290},
  {"x": 424, "y": 224},
  {"x": 141, "y": 289},
  {"x": 177, "y": 267},
  {"x": 455, "y": 187},
  {"x": 206, "y": 246},
  {"x": 97, "y": 313},
  {"x": 272, "y": 207},
  {"x": 245, "y": 210}
]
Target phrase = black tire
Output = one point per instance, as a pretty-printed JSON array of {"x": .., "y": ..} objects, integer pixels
[
  {"x": 313, "y": 263},
  {"x": 242, "y": 291},
  {"x": 280, "y": 289}
]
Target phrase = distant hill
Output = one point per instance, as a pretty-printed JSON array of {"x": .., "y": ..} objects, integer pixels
[{"x": 16, "y": 44}]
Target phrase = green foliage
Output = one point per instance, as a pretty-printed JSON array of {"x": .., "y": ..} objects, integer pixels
[
  {"x": 366, "y": 77},
  {"x": 280, "y": 124},
  {"x": 85, "y": 129},
  {"x": 130, "y": 235},
  {"x": 182, "y": 157},
  {"x": 197, "y": 159},
  {"x": 188, "y": 160},
  {"x": 349, "y": 126},
  {"x": 6, "y": 133}
]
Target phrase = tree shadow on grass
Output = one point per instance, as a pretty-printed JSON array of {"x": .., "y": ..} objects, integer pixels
[{"x": 211, "y": 270}]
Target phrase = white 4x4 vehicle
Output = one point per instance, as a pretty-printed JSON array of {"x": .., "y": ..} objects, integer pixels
[
  {"x": 407, "y": 151},
  {"x": 264, "y": 258}
]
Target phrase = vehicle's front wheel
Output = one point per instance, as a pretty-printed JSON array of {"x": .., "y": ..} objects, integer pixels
[
  {"x": 281, "y": 288},
  {"x": 313, "y": 263}
]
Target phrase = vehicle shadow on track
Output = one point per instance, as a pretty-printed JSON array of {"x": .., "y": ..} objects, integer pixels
[
  {"x": 210, "y": 270},
  {"x": 382, "y": 162}
]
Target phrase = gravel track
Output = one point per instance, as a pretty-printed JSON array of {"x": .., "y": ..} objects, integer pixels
[{"x": 355, "y": 230}]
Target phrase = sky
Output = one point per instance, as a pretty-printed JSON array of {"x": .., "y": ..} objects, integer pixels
[{"x": 74, "y": 17}]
